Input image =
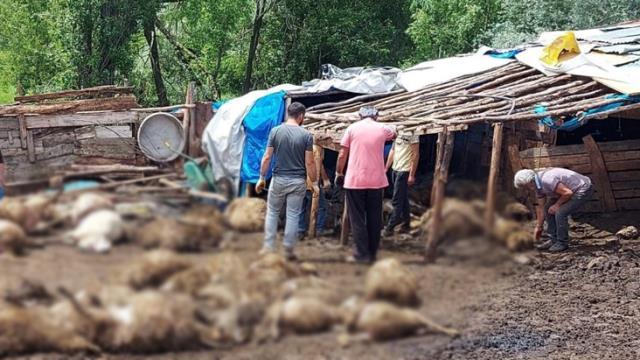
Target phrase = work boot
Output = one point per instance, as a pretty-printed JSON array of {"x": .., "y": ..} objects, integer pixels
[
  {"x": 558, "y": 247},
  {"x": 290, "y": 255},
  {"x": 545, "y": 245}
]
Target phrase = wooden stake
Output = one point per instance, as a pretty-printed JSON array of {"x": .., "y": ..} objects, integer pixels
[
  {"x": 189, "y": 129},
  {"x": 315, "y": 200},
  {"x": 346, "y": 226},
  {"x": 31, "y": 150},
  {"x": 23, "y": 130},
  {"x": 441, "y": 174},
  {"x": 600, "y": 173},
  {"x": 494, "y": 170}
]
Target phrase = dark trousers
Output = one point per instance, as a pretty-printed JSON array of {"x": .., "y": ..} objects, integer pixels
[
  {"x": 400, "y": 200},
  {"x": 365, "y": 216}
]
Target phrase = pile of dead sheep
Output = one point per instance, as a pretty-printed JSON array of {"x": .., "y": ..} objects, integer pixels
[
  {"x": 166, "y": 303},
  {"x": 464, "y": 219},
  {"x": 96, "y": 222}
]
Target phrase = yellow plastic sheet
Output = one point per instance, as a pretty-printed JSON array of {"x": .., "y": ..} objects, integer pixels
[{"x": 564, "y": 47}]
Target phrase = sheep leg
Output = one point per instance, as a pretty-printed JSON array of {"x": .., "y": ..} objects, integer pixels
[{"x": 437, "y": 328}]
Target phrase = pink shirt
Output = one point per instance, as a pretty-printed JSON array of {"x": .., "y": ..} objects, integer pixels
[{"x": 365, "y": 140}]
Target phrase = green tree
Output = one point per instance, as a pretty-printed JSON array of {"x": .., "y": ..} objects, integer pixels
[{"x": 443, "y": 28}]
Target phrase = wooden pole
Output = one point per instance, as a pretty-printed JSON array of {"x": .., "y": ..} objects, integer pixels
[
  {"x": 345, "y": 228},
  {"x": 189, "y": 119},
  {"x": 494, "y": 171},
  {"x": 315, "y": 200},
  {"x": 441, "y": 174},
  {"x": 439, "y": 153}
]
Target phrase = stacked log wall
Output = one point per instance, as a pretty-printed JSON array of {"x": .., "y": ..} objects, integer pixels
[{"x": 621, "y": 160}]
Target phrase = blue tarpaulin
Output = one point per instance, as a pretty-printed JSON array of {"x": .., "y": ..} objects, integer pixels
[
  {"x": 266, "y": 113},
  {"x": 577, "y": 121}
]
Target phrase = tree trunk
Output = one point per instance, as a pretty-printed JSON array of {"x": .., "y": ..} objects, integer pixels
[
  {"x": 150, "y": 35},
  {"x": 255, "y": 37}
]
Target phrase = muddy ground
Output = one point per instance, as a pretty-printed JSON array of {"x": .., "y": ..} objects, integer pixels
[{"x": 582, "y": 304}]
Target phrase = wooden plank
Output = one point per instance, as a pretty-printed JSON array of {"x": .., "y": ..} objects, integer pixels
[
  {"x": 494, "y": 172},
  {"x": 107, "y": 148},
  {"x": 114, "y": 131},
  {"x": 31, "y": 149},
  {"x": 605, "y": 147},
  {"x": 23, "y": 131},
  {"x": 99, "y": 90},
  {"x": 623, "y": 165},
  {"x": 112, "y": 104},
  {"x": 621, "y": 155},
  {"x": 625, "y": 185},
  {"x": 514, "y": 158},
  {"x": 441, "y": 174},
  {"x": 315, "y": 199},
  {"x": 558, "y": 161},
  {"x": 85, "y": 132},
  {"x": 82, "y": 119},
  {"x": 629, "y": 204},
  {"x": 628, "y": 193},
  {"x": 9, "y": 123},
  {"x": 58, "y": 138},
  {"x": 600, "y": 173},
  {"x": 624, "y": 176},
  {"x": 55, "y": 151}
]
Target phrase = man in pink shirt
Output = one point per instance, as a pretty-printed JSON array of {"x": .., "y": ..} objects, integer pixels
[{"x": 363, "y": 144}]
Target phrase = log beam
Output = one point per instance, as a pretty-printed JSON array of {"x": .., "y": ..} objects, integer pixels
[
  {"x": 441, "y": 174},
  {"x": 494, "y": 172}
]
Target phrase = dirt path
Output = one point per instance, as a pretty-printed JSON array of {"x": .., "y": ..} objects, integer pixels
[{"x": 579, "y": 305}]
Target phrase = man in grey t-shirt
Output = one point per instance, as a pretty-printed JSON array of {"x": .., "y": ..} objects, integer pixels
[
  {"x": 565, "y": 191},
  {"x": 291, "y": 146}
]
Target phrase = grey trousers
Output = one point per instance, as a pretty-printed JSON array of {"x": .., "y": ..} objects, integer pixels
[
  {"x": 558, "y": 224},
  {"x": 281, "y": 190}
]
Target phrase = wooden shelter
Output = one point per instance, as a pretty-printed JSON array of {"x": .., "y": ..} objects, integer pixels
[
  {"x": 504, "y": 98},
  {"x": 82, "y": 133}
]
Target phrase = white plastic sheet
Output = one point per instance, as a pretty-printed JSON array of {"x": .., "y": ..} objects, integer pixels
[
  {"x": 370, "y": 82},
  {"x": 223, "y": 138},
  {"x": 441, "y": 70}
]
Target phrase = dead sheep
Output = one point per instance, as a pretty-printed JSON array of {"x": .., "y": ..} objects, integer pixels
[
  {"x": 391, "y": 281},
  {"x": 155, "y": 268},
  {"x": 313, "y": 287},
  {"x": 235, "y": 324},
  {"x": 189, "y": 281},
  {"x": 28, "y": 212},
  {"x": 267, "y": 274},
  {"x": 208, "y": 219},
  {"x": 31, "y": 330},
  {"x": 302, "y": 315},
  {"x": 87, "y": 203},
  {"x": 246, "y": 214},
  {"x": 517, "y": 212},
  {"x": 98, "y": 231},
  {"x": 628, "y": 233},
  {"x": 149, "y": 322},
  {"x": 166, "y": 233},
  {"x": 227, "y": 267},
  {"x": 12, "y": 238},
  {"x": 384, "y": 321},
  {"x": 28, "y": 292},
  {"x": 512, "y": 234},
  {"x": 460, "y": 220},
  {"x": 185, "y": 234}
]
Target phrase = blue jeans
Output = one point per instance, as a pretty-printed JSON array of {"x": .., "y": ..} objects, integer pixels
[
  {"x": 281, "y": 190},
  {"x": 322, "y": 212},
  {"x": 558, "y": 224}
]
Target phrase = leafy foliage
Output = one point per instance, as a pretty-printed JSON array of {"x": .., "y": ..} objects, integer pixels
[{"x": 48, "y": 45}]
